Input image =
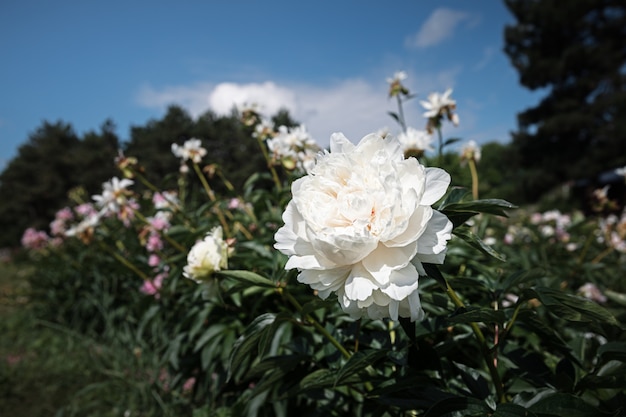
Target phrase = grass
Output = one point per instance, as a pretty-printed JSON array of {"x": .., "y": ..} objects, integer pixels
[
  {"x": 41, "y": 367},
  {"x": 47, "y": 369}
]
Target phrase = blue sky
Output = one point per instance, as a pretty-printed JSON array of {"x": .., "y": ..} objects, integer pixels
[{"x": 326, "y": 61}]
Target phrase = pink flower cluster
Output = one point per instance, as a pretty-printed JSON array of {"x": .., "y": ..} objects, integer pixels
[{"x": 35, "y": 239}]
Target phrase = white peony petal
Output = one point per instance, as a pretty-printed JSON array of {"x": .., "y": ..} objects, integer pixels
[
  {"x": 415, "y": 227},
  {"x": 402, "y": 283},
  {"x": 436, "y": 236},
  {"x": 437, "y": 182},
  {"x": 340, "y": 144},
  {"x": 381, "y": 262},
  {"x": 359, "y": 284}
]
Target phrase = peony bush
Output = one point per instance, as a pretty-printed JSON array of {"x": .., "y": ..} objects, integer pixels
[{"x": 354, "y": 281}]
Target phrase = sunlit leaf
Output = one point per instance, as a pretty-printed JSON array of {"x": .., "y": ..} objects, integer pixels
[
  {"x": 248, "y": 277},
  {"x": 560, "y": 404},
  {"x": 470, "y": 238}
]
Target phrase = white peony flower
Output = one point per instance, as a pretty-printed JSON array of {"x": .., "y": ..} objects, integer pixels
[
  {"x": 206, "y": 257},
  {"x": 191, "y": 149},
  {"x": 360, "y": 224}
]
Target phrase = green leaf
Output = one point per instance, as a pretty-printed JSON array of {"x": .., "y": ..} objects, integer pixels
[
  {"x": 471, "y": 239},
  {"x": 602, "y": 381},
  {"x": 455, "y": 195},
  {"x": 489, "y": 206},
  {"x": 357, "y": 363},
  {"x": 321, "y": 378},
  {"x": 450, "y": 141},
  {"x": 478, "y": 315},
  {"x": 433, "y": 272},
  {"x": 210, "y": 333},
  {"x": 248, "y": 277},
  {"x": 248, "y": 343},
  {"x": 559, "y": 404},
  {"x": 468, "y": 405},
  {"x": 318, "y": 304},
  {"x": 260, "y": 249},
  {"x": 571, "y": 307},
  {"x": 512, "y": 410},
  {"x": 613, "y": 351},
  {"x": 394, "y": 116}
]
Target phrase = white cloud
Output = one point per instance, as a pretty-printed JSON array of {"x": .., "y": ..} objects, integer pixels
[
  {"x": 438, "y": 27},
  {"x": 354, "y": 107},
  {"x": 193, "y": 98},
  {"x": 270, "y": 96},
  {"x": 488, "y": 54}
]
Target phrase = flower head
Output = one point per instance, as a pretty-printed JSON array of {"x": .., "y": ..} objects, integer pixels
[
  {"x": 191, "y": 150},
  {"x": 438, "y": 106},
  {"x": 114, "y": 195},
  {"x": 395, "y": 84},
  {"x": 471, "y": 151},
  {"x": 206, "y": 257},
  {"x": 415, "y": 142},
  {"x": 34, "y": 239},
  {"x": 360, "y": 224},
  {"x": 293, "y": 147}
]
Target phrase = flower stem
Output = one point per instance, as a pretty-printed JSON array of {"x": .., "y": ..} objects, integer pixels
[
  {"x": 474, "y": 172},
  {"x": 204, "y": 182},
  {"x": 325, "y": 333},
  {"x": 493, "y": 371},
  {"x": 124, "y": 261},
  {"x": 317, "y": 325},
  {"x": 161, "y": 232},
  {"x": 602, "y": 254},
  {"x": 401, "y": 113},
  {"x": 440, "y": 151},
  {"x": 270, "y": 166},
  {"x": 211, "y": 195}
]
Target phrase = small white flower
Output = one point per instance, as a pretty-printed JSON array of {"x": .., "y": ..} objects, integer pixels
[
  {"x": 191, "y": 150},
  {"x": 360, "y": 224},
  {"x": 414, "y": 140},
  {"x": 471, "y": 151},
  {"x": 114, "y": 195},
  {"x": 293, "y": 147},
  {"x": 438, "y": 104},
  {"x": 398, "y": 76},
  {"x": 206, "y": 257}
]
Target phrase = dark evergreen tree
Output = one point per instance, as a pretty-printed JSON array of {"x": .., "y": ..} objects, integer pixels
[
  {"x": 152, "y": 145},
  {"x": 231, "y": 147},
  {"x": 35, "y": 184},
  {"x": 576, "y": 51}
]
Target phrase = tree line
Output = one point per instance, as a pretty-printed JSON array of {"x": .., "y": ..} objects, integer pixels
[{"x": 574, "y": 134}]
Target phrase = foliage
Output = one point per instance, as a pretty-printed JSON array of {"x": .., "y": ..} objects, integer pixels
[
  {"x": 525, "y": 317},
  {"x": 577, "y": 130}
]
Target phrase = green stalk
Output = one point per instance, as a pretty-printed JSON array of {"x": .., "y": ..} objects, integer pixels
[
  {"x": 270, "y": 166},
  {"x": 171, "y": 241},
  {"x": 204, "y": 182},
  {"x": 211, "y": 195},
  {"x": 317, "y": 325},
  {"x": 401, "y": 113},
  {"x": 325, "y": 333},
  {"x": 440, "y": 136},
  {"x": 486, "y": 352},
  {"x": 124, "y": 262},
  {"x": 474, "y": 172}
]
